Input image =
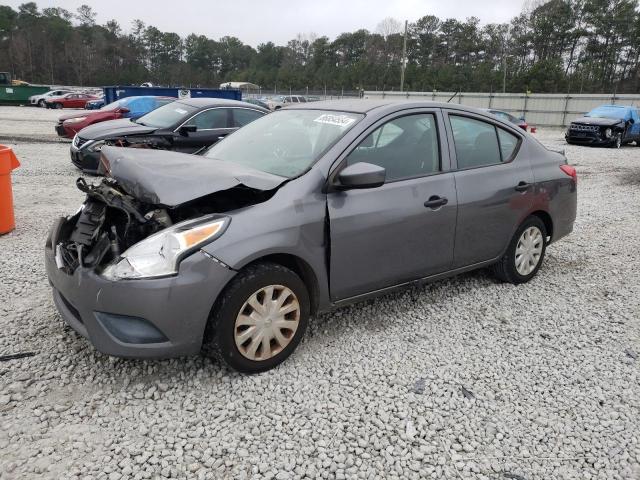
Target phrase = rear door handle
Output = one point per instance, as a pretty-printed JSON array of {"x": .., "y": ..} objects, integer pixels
[
  {"x": 435, "y": 202},
  {"x": 522, "y": 187}
]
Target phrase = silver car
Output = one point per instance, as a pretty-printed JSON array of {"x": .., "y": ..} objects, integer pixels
[{"x": 304, "y": 210}]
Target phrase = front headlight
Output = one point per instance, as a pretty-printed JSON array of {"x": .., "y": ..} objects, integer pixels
[
  {"x": 608, "y": 132},
  {"x": 75, "y": 120},
  {"x": 96, "y": 146},
  {"x": 160, "y": 254}
]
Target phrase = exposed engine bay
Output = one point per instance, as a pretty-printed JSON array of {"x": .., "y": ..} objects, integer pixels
[
  {"x": 147, "y": 191},
  {"x": 154, "y": 142},
  {"x": 110, "y": 221}
]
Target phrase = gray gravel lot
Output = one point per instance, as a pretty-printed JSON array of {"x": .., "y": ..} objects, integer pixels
[{"x": 464, "y": 378}]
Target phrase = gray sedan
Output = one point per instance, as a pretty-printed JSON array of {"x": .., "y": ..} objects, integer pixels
[{"x": 301, "y": 211}]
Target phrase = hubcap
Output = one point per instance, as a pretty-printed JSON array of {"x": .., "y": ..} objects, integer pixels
[
  {"x": 267, "y": 322},
  {"x": 529, "y": 250}
]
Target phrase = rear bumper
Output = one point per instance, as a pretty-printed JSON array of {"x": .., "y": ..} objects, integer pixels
[{"x": 152, "y": 318}]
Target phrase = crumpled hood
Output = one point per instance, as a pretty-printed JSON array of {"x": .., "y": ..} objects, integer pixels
[
  {"x": 115, "y": 128},
  {"x": 160, "y": 177},
  {"x": 601, "y": 122}
]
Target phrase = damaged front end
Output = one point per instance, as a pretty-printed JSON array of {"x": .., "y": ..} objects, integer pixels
[
  {"x": 109, "y": 222},
  {"x": 145, "y": 218}
]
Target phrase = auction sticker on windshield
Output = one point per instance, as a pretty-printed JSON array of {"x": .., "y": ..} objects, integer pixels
[
  {"x": 181, "y": 111},
  {"x": 338, "y": 120}
]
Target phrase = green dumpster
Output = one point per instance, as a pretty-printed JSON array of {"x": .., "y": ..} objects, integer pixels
[{"x": 19, "y": 95}]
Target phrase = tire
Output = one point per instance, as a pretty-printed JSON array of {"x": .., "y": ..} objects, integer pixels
[
  {"x": 230, "y": 342},
  {"x": 42, "y": 103},
  {"x": 57, "y": 106},
  {"x": 506, "y": 269},
  {"x": 617, "y": 143}
]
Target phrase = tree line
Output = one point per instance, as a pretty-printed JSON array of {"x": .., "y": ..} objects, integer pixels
[{"x": 578, "y": 46}]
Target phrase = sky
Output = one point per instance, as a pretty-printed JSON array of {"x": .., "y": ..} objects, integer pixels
[{"x": 259, "y": 21}]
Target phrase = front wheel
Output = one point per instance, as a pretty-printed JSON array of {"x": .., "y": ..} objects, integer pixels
[
  {"x": 259, "y": 318},
  {"x": 617, "y": 143},
  {"x": 525, "y": 254},
  {"x": 57, "y": 106},
  {"x": 42, "y": 103}
]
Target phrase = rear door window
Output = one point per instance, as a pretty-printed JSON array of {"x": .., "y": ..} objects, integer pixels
[
  {"x": 508, "y": 144},
  {"x": 210, "y": 119},
  {"x": 479, "y": 143}
]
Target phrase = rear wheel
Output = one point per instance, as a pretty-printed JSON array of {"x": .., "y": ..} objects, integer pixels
[
  {"x": 57, "y": 106},
  {"x": 42, "y": 103},
  {"x": 525, "y": 254},
  {"x": 259, "y": 318}
]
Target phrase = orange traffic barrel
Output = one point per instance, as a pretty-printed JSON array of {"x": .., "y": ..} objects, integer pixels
[{"x": 8, "y": 162}]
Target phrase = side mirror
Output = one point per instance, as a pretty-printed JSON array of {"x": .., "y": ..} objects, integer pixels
[
  {"x": 631, "y": 121},
  {"x": 361, "y": 175},
  {"x": 185, "y": 130},
  {"x": 123, "y": 110}
]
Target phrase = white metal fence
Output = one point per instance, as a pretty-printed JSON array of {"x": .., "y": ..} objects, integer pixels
[{"x": 540, "y": 109}]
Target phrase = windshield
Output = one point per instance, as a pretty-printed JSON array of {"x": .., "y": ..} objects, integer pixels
[
  {"x": 167, "y": 115},
  {"x": 284, "y": 143},
  {"x": 608, "y": 112}
]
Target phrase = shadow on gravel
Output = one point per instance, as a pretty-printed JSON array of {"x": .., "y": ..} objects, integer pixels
[
  {"x": 428, "y": 291},
  {"x": 631, "y": 177},
  {"x": 149, "y": 371}
]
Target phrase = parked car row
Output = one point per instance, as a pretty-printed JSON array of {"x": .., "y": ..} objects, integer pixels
[
  {"x": 314, "y": 206},
  {"x": 62, "y": 98},
  {"x": 188, "y": 125},
  {"x": 130, "y": 107}
]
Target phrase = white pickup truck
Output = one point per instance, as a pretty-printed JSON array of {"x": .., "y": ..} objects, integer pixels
[{"x": 276, "y": 103}]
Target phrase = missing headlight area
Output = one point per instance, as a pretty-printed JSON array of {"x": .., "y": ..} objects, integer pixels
[{"x": 111, "y": 221}]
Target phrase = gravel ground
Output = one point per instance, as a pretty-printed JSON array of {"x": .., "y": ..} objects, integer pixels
[{"x": 464, "y": 378}]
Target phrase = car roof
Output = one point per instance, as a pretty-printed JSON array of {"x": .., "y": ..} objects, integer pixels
[
  {"x": 615, "y": 106},
  {"x": 364, "y": 106},
  {"x": 216, "y": 102}
]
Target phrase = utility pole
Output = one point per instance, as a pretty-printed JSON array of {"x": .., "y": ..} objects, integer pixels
[
  {"x": 504, "y": 73},
  {"x": 404, "y": 56}
]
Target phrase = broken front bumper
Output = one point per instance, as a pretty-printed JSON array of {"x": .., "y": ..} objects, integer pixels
[
  {"x": 144, "y": 318},
  {"x": 85, "y": 160},
  {"x": 588, "y": 138}
]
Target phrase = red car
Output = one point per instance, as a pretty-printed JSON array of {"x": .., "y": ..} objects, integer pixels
[
  {"x": 70, "y": 100},
  {"x": 130, "y": 107}
]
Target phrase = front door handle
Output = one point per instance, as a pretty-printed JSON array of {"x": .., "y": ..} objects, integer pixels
[
  {"x": 435, "y": 202},
  {"x": 522, "y": 187}
]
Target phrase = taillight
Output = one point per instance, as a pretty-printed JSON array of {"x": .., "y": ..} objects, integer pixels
[{"x": 571, "y": 171}]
